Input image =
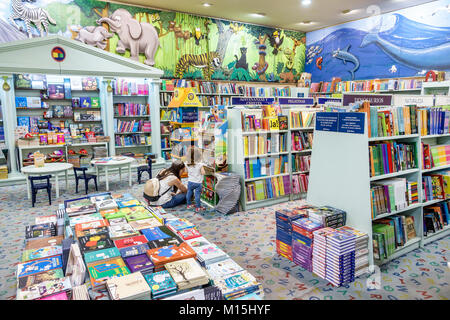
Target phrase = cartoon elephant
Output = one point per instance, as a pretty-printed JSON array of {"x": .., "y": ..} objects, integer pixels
[
  {"x": 94, "y": 36},
  {"x": 138, "y": 37}
]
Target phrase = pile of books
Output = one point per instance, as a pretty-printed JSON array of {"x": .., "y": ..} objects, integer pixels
[
  {"x": 302, "y": 241},
  {"x": 127, "y": 251},
  {"x": 361, "y": 250},
  {"x": 389, "y": 157},
  {"x": 327, "y": 216},
  {"x": 284, "y": 219},
  {"x": 392, "y": 195},
  {"x": 340, "y": 258},
  {"x": 319, "y": 262}
]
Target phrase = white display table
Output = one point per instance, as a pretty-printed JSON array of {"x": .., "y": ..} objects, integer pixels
[
  {"x": 48, "y": 168},
  {"x": 113, "y": 163}
]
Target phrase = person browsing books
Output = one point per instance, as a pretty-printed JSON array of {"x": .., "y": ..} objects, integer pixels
[
  {"x": 168, "y": 179},
  {"x": 195, "y": 177}
]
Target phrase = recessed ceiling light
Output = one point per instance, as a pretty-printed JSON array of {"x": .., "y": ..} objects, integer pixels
[
  {"x": 207, "y": 4},
  {"x": 306, "y": 2},
  {"x": 347, "y": 11},
  {"x": 306, "y": 22},
  {"x": 259, "y": 15}
]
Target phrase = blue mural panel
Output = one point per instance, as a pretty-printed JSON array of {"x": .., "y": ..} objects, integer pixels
[{"x": 405, "y": 43}]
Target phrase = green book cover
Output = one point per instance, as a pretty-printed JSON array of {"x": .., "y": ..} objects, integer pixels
[
  {"x": 101, "y": 254},
  {"x": 118, "y": 214},
  {"x": 413, "y": 119},
  {"x": 383, "y": 123},
  {"x": 95, "y": 102},
  {"x": 139, "y": 215},
  {"x": 392, "y": 198},
  {"x": 378, "y": 163}
]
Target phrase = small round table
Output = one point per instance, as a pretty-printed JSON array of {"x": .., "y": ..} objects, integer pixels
[
  {"x": 48, "y": 168},
  {"x": 114, "y": 163}
]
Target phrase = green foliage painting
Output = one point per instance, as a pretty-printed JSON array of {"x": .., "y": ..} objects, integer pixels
[{"x": 190, "y": 47}]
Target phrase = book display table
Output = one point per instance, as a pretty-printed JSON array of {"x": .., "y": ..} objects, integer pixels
[
  {"x": 113, "y": 162},
  {"x": 48, "y": 168}
]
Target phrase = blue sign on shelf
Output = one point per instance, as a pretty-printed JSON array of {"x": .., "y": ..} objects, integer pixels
[
  {"x": 351, "y": 122},
  {"x": 296, "y": 101},
  {"x": 327, "y": 121},
  {"x": 251, "y": 101},
  {"x": 325, "y": 100}
]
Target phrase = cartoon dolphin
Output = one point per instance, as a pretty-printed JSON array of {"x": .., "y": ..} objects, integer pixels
[
  {"x": 345, "y": 56},
  {"x": 428, "y": 58}
]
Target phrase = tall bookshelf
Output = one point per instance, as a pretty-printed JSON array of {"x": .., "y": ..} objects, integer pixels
[{"x": 340, "y": 177}]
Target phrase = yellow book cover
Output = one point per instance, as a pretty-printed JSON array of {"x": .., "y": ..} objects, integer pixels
[
  {"x": 245, "y": 145},
  {"x": 372, "y": 167},
  {"x": 275, "y": 187},
  {"x": 407, "y": 117},
  {"x": 281, "y": 184}
]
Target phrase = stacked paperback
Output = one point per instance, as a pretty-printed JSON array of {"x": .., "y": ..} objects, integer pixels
[
  {"x": 284, "y": 219},
  {"x": 340, "y": 258},
  {"x": 361, "y": 250},
  {"x": 302, "y": 241}
]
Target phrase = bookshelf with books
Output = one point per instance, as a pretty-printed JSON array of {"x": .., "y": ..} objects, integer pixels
[
  {"x": 132, "y": 116},
  {"x": 259, "y": 151},
  {"x": 407, "y": 203}
]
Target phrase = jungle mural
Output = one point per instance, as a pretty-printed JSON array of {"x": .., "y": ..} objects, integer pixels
[
  {"x": 182, "y": 45},
  {"x": 405, "y": 43}
]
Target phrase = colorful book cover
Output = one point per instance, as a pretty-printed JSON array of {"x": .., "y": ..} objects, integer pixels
[
  {"x": 28, "y": 281},
  {"x": 145, "y": 223},
  {"x": 186, "y": 270},
  {"x": 95, "y": 102},
  {"x": 179, "y": 224},
  {"x": 38, "y": 266},
  {"x": 103, "y": 254},
  {"x": 44, "y": 288},
  {"x": 160, "y": 282},
  {"x": 43, "y": 242},
  {"x": 85, "y": 102},
  {"x": 95, "y": 242},
  {"x": 122, "y": 231},
  {"x": 128, "y": 242},
  {"x": 21, "y": 102},
  {"x": 117, "y": 221},
  {"x": 223, "y": 268},
  {"x": 189, "y": 233},
  {"x": 128, "y": 203},
  {"x": 89, "y": 225},
  {"x": 89, "y": 83},
  {"x": 107, "y": 268},
  {"x": 55, "y": 91},
  {"x": 40, "y": 253},
  {"x": 158, "y": 233},
  {"x": 134, "y": 250},
  {"x": 138, "y": 263},
  {"x": 58, "y": 296},
  {"x": 171, "y": 253}
]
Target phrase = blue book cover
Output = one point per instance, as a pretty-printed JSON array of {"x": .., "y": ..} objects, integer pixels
[
  {"x": 446, "y": 212},
  {"x": 134, "y": 250},
  {"x": 160, "y": 282},
  {"x": 23, "y": 121},
  {"x": 157, "y": 233},
  {"x": 85, "y": 102},
  {"x": 67, "y": 91},
  {"x": 21, "y": 102},
  {"x": 38, "y": 266}
]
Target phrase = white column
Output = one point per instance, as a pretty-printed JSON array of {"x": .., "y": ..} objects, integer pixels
[
  {"x": 155, "y": 111},
  {"x": 9, "y": 119},
  {"x": 107, "y": 112}
]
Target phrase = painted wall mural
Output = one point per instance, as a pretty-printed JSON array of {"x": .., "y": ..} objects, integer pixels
[
  {"x": 182, "y": 45},
  {"x": 405, "y": 43}
]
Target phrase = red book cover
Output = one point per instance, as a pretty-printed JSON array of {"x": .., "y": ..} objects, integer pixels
[
  {"x": 128, "y": 242},
  {"x": 389, "y": 147}
]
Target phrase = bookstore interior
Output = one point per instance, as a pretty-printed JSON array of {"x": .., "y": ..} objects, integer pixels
[{"x": 262, "y": 159}]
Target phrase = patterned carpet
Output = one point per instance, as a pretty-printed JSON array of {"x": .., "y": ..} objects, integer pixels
[{"x": 249, "y": 238}]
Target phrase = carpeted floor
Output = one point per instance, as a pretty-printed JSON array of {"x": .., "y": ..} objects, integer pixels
[{"x": 249, "y": 238}]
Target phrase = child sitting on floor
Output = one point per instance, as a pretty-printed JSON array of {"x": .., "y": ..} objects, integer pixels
[{"x": 195, "y": 177}]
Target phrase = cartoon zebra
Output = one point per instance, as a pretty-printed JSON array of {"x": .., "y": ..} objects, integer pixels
[
  {"x": 38, "y": 16},
  {"x": 203, "y": 61}
]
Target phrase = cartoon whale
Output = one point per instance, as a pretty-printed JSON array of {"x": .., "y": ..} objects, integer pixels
[
  {"x": 428, "y": 58},
  {"x": 345, "y": 56}
]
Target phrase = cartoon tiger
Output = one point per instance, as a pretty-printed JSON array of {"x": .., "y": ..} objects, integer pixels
[{"x": 201, "y": 61}]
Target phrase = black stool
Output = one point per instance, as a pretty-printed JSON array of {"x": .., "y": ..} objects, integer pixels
[
  {"x": 40, "y": 186},
  {"x": 86, "y": 177},
  {"x": 146, "y": 168}
]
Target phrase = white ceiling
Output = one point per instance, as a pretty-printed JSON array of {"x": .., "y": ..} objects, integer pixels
[{"x": 287, "y": 14}]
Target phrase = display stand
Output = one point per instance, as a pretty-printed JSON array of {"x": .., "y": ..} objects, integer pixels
[{"x": 70, "y": 58}]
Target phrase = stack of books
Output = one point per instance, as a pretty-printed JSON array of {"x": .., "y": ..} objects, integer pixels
[
  {"x": 207, "y": 252},
  {"x": 129, "y": 287},
  {"x": 389, "y": 157},
  {"x": 327, "y": 216},
  {"x": 239, "y": 284},
  {"x": 161, "y": 256},
  {"x": 319, "y": 253},
  {"x": 301, "y": 140},
  {"x": 302, "y": 119},
  {"x": 187, "y": 274},
  {"x": 361, "y": 250},
  {"x": 340, "y": 257},
  {"x": 393, "y": 121},
  {"x": 161, "y": 284},
  {"x": 284, "y": 219},
  {"x": 80, "y": 293},
  {"x": 302, "y": 241}
]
